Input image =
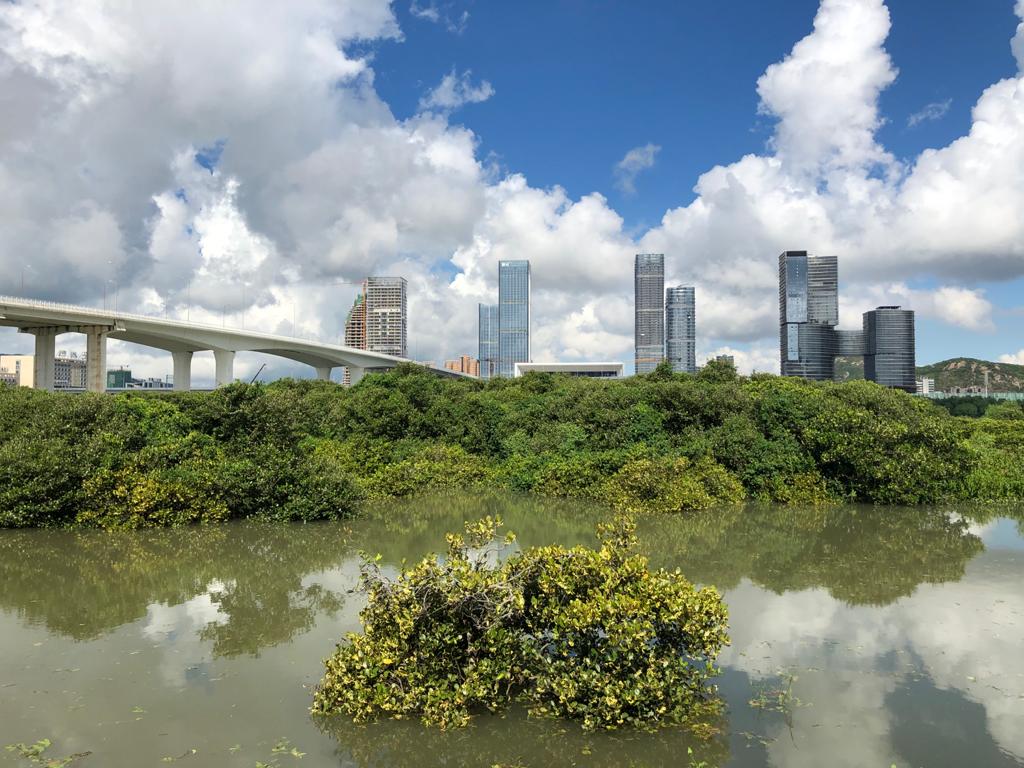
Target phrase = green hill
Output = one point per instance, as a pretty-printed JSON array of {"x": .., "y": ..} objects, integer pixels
[
  {"x": 967, "y": 371},
  {"x": 956, "y": 372}
]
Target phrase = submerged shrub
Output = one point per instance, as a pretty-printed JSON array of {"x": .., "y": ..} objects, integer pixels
[{"x": 592, "y": 635}]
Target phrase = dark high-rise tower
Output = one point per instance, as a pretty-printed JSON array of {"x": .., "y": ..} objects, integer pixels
[
  {"x": 808, "y": 314},
  {"x": 681, "y": 328},
  {"x": 649, "y": 323},
  {"x": 889, "y": 339}
]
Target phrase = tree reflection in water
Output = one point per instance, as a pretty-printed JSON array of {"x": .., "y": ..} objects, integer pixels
[{"x": 85, "y": 584}]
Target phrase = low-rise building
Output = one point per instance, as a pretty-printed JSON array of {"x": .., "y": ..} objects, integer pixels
[
  {"x": 69, "y": 371},
  {"x": 589, "y": 370},
  {"x": 464, "y": 364},
  {"x": 8, "y": 378},
  {"x": 925, "y": 386},
  {"x": 121, "y": 378},
  {"x": 973, "y": 389},
  {"x": 22, "y": 366}
]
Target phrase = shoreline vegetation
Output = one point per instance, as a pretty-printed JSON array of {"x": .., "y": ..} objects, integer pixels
[{"x": 307, "y": 450}]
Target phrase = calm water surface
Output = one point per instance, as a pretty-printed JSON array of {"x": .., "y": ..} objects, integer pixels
[{"x": 860, "y": 637}]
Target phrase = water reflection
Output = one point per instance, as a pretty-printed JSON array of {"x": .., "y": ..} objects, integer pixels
[
  {"x": 898, "y": 633},
  {"x": 85, "y": 584}
]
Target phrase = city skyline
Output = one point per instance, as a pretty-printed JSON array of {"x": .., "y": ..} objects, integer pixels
[{"x": 419, "y": 160}]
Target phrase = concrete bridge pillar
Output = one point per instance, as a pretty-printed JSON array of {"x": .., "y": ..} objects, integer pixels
[
  {"x": 225, "y": 360},
  {"x": 182, "y": 371},
  {"x": 96, "y": 360},
  {"x": 355, "y": 373},
  {"x": 324, "y": 373},
  {"x": 46, "y": 351}
]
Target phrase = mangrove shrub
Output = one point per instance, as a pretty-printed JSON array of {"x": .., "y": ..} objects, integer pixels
[{"x": 592, "y": 635}]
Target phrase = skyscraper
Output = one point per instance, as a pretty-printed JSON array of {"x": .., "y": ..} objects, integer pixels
[
  {"x": 377, "y": 319},
  {"x": 889, "y": 339},
  {"x": 386, "y": 315},
  {"x": 513, "y": 315},
  {"x": 649, "y": 323},
  {"x": 809, "y": 313},
  {"x": 487, "y": 329},
  {"x": 681, "y": 328}
]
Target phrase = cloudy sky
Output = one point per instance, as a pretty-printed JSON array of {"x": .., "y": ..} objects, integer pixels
[{"x": 243, "y": 163}]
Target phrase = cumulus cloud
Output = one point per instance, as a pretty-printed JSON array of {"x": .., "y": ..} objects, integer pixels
[
  {"x": 1014, "y": 359},
  {"x": 934, "y": 111},
  {"x": 455, "y": 90},
  {"x": 629, "y": 167},
  {"x": 104, "y": 180}
]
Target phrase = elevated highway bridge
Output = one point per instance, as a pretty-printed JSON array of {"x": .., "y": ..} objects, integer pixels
[{"x": 46, "y": 320}]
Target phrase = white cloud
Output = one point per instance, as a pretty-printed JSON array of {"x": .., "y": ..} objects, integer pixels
[
  {"x": 629, "y": 167},
  {"x": 441, "y": 13},
  {"x": 933, "y": 111},
  {"x": 1014, "y": 359},
  {"x": 454, "y": 90}
]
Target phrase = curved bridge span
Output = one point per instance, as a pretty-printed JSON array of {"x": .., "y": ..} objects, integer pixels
[{"x": 46, "y": 320}]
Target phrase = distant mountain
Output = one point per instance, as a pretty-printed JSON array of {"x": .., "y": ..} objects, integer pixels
[
  {"x": 967, "y": 371},
  {"x": 956, "y": 372}
]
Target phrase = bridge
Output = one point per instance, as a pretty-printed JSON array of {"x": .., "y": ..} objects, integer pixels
[{"x": 46, "y": 320}]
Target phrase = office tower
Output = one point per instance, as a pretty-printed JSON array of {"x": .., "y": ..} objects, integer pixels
[
  {"x": 487, "y": 330},
  {"x": 386, "y": 315},
  {"x": 809, "y": 313},
  {"x": 649, "y": 323},
  {"x": 513, "y": 315},
  {"x": 681, "y": 329},
  {"x": 889, "y": 342}
]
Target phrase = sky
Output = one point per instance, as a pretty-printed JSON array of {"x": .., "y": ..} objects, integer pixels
[{"x": 246, "y": 163}]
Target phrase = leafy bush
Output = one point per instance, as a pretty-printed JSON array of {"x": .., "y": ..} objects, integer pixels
[
  {"x": 592, "y": 635},
  {"x": 671, "y": 485}
]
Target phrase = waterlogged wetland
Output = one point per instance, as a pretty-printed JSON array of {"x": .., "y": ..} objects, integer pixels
[{"x": 861, "y": 636}]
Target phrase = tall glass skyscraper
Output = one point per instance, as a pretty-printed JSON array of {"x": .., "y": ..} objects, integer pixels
[
  {"x": 808, "y": 314},
  {"x": 889, "y": 338},
  {"x": 681, "y": 328},
  {"x": 649, "y": 322},
  {"x": 487, "y": 328},
  {"x": 513, "y": 315},
  {"x": 809, "y": 341}
]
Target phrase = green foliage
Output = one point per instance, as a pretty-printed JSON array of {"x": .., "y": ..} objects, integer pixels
[
  {"x": 302, "y": 450},
  {"x": 1011, "y": 410},
  {"x": 592, "y": 635},
  {"x": 671, "y": 485}
]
